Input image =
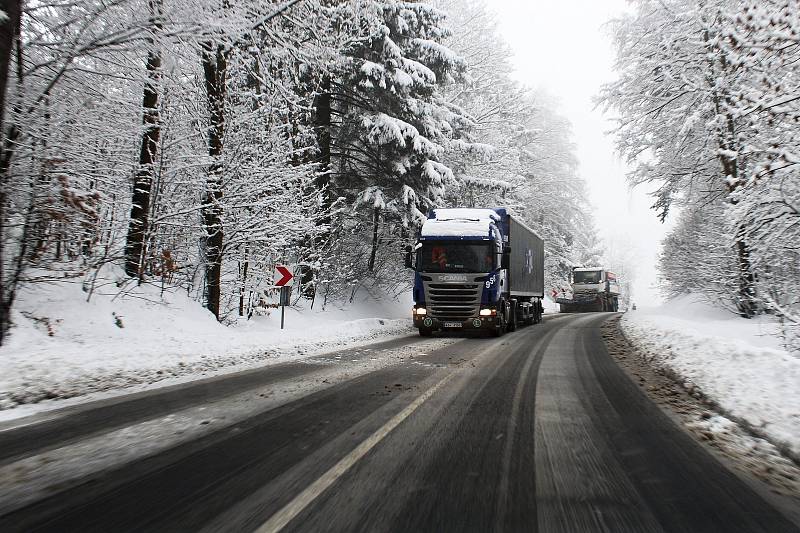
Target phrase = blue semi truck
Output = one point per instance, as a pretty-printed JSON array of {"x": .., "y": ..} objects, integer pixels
[{"x": 476, "y": 269}]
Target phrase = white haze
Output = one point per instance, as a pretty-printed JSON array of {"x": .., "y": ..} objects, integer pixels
[{"x": 565, "y": 48}]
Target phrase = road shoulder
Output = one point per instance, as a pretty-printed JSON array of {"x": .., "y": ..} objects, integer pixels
[{"x": 752, "y": 458}]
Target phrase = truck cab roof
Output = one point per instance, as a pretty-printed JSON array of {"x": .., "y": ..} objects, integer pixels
[{"x": 461, "y": 224}]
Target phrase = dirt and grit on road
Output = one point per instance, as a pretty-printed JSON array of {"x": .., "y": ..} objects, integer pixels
[{"x": 735, "y": 442}]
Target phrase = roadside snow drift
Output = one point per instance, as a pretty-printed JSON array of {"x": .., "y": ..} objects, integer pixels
[
  {"x": 738, "y": 363},
  {"x": 62, "y": 346}
]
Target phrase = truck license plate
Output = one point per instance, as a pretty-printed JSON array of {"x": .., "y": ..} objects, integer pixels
[{"x": 452, "y": 324}]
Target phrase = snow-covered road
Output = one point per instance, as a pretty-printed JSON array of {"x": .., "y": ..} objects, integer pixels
[
  {"x": 414, "y": 434},
  {"x": 170, "y": 417}
]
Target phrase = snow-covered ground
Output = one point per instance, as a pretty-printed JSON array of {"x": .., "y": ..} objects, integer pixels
[
  {"x": 62, "y": 346},
  {"x": 739, "y": 364}
]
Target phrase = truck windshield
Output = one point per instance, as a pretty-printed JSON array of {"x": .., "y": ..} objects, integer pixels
[
  {"x": 459, "y": 256},
  {"x": 587, "y": 277}
]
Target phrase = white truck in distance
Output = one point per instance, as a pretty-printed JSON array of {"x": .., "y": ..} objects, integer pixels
[{"x": 593, "y": 289}]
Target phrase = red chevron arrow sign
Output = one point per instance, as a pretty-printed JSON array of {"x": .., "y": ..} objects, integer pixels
[{"x": 286, "y": 276}]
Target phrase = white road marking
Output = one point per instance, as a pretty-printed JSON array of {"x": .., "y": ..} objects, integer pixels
[{"x": 279, "y": 520}]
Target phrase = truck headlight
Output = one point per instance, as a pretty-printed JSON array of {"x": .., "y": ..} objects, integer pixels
[
  {"x": 420, "y": 311},
  {"x": 488, "y": 312}
]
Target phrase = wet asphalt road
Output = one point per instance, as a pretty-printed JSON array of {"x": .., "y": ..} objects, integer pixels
[{"x": 538, "y": 430}]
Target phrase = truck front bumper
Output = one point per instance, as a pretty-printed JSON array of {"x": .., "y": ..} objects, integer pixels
[{"x": 476, "y": 323}]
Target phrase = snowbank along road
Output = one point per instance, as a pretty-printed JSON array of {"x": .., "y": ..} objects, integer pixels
[{"x": 539, "y": 430}]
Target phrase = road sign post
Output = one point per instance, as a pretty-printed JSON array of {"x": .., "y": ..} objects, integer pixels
[
  {"x": 286, "y": 290},
  {"x": 286, "y": 293}
]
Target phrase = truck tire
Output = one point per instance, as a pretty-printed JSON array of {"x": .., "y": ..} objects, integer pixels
[
  {"x": 501, "y": 325},
  {"x": 498, "y": 332},
  {"x": 512, "y": 317}
]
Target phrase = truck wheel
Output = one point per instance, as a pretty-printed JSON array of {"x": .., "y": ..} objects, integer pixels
[
  {"x": 501, "y": 327},
  {"x": 498, "y": 332},
  {"x": 512, "y": 318},
  {"x": 425, "y": 332}
]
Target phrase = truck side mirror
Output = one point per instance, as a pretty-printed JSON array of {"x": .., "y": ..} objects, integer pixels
[
  {"x": 505, "y": 259},
  {"x": 408, "y": 260}
]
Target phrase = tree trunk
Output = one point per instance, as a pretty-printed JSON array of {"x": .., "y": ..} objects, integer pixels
[
  {"x": 9, "y": 33},
  {"x": 322, "y": 124},
  {"x": 746, "y": 301},
  {"x": 322, "y": 128},
  {"x": 376, "y": 217},
  {"x": 214, "y": 64},
  {"x": 140, "y": 208},
  {"x": 728, "y": 144},
  {"x": 243, "y": 286}
]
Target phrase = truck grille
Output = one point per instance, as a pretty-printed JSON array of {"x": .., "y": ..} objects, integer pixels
[{"x": 455, "y": 301}]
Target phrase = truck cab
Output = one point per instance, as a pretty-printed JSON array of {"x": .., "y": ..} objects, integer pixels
[{"x": 593, "y": 289}]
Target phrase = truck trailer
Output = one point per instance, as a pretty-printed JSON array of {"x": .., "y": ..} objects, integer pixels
[
  {"x": 476, "y": 269},
  {"x": 593, "y": 289}
]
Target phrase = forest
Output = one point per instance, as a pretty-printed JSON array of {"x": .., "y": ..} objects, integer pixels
[
  {"x": 194, "y": 145},
  {"x": 707, "y": 108}
]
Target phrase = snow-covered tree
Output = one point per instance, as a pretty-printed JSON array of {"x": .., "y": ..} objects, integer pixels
[
  {"x": 517, "y": 151},
  {"x": 71, "y": 165},
  {"x": 388, "y": 132},
  {"x": 674, "y": 99},
  {"x": 392, "y": 124},
  {"x": 195, "y": 144},
  {"x": 708, "y": 103},
  {"x": 763, "y": 38}
]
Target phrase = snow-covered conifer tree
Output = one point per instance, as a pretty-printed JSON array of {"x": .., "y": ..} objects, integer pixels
[
  {"x": 390, "y": 125},
  {"x": 517, "y": 151}
]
